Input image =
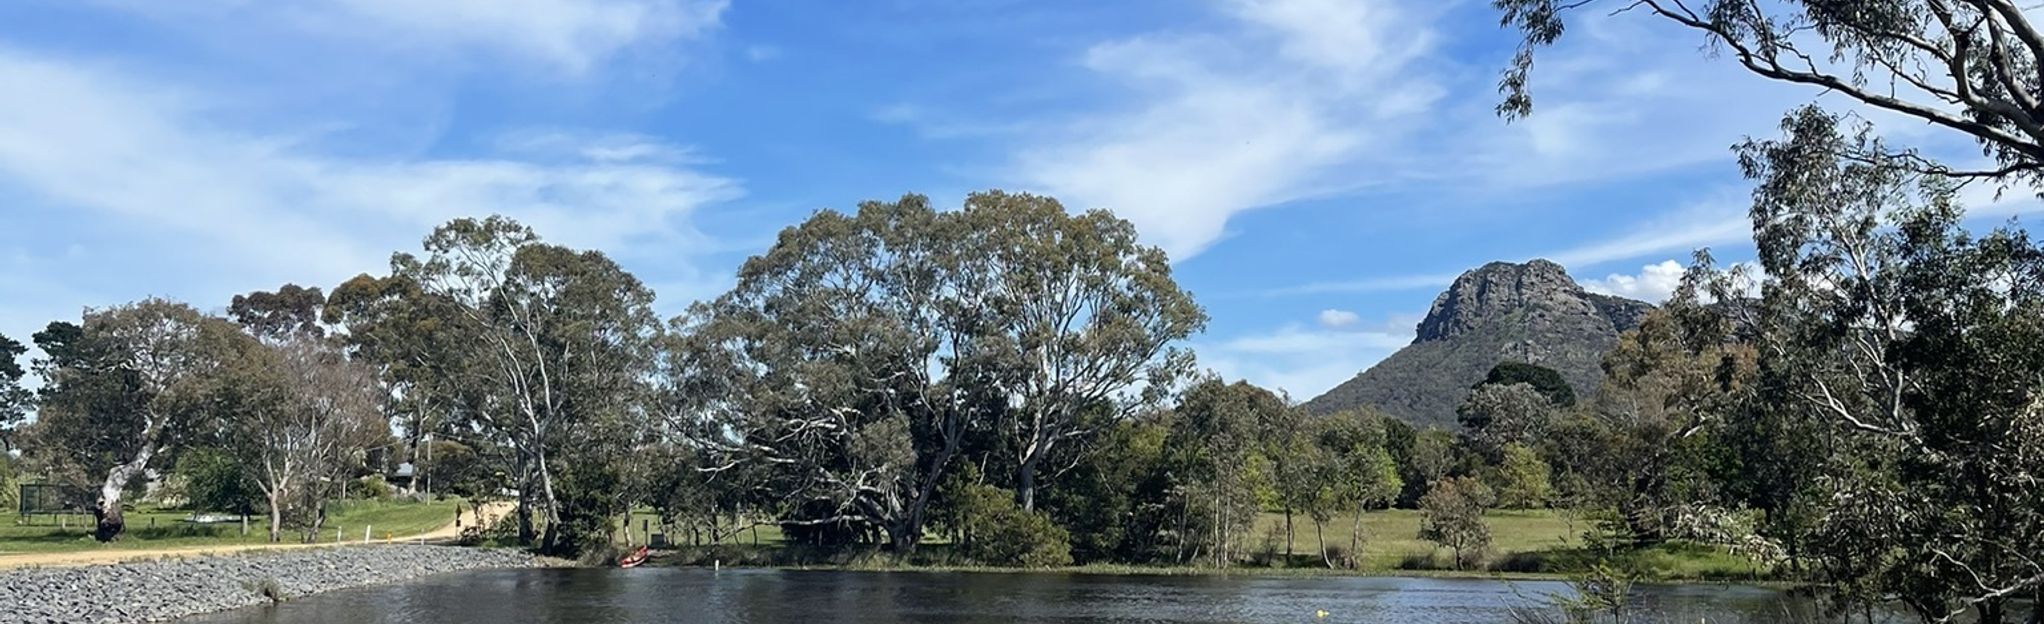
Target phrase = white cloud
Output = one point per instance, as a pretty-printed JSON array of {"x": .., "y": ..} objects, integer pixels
[
  {"x": 1366, "y": 285},
  {"x": 1652, "y": 284},
  {"x": 570, "y": 35},
  {"x": 1352, "y": 38},
  {"x": 1223, "y": 122},
  {"x": 1302, "y": 361},
  {"x": 1337, "y": 319},
  {"x": 1717, "y": 221},
  {"x": 186, "y": 205},
  {"x": 1306, "y": 99}
]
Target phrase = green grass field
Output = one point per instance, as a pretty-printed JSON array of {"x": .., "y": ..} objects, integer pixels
[
  {"x": 1391, "y": 540},
  {"x": 1522, "y": 541},
  {"x": 1535, "y": 542},
  {"x": 150, "y": 528}
]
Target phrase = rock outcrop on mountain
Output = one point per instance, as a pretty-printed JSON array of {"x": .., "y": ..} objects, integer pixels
[{"x": 1498, "y": 312}]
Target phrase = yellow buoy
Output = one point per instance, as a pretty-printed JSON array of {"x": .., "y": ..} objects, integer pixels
[{"x": 1320, "y": 614}]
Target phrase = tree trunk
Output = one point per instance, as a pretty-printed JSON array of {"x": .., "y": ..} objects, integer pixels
[
  {"x": 276, "y": 517},
  {"x": 902, "y": 539},
  {"x": 551, "y": 503},
  {"x": 1288, "y": 535},
  {"x": 1355, "y": 541},
  {"x": 106, "y": 513},
  {"x": 1219, "y": 537},
  {"x": 1320, "y": 539},
  {"x": 524, "y": 507},
  {"x": 2037, "y": 606},
  {"x": 318, "y": 522},
  {"x": 1991, "y": 611},
  {"x": 918, "y": 509},
  {"x": 1025, "y": 488}
]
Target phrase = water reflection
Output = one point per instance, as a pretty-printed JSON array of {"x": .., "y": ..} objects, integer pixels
[{"x": 769, "y": 596}]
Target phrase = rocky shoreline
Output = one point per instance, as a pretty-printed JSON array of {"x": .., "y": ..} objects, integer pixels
[{"x": 159, "y": 590}]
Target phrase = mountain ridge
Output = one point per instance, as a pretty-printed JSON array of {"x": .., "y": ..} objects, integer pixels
[{"x": 1532, "y": 313}]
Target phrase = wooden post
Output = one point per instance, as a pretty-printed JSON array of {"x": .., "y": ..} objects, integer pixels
[{"x": 365, "y": 534}]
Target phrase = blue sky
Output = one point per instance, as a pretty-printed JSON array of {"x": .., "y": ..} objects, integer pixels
[{"x": 1318, "y": 169}]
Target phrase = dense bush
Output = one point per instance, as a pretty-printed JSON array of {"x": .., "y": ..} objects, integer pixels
[
  {"x": 215, "y": 481},
  {"x": 372, "y": 487},
  {"x": 993, "y": 530},
  {"x": 1021, "y": 538}
]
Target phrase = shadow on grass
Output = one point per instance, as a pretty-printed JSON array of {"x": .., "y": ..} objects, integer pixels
[{"x": 1666, "y": 561}]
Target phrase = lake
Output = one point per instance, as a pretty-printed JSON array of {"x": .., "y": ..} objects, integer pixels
[{"x": 613, "y": 596}]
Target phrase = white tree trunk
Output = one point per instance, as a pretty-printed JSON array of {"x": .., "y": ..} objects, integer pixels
[{"x": 110, "y": 522}]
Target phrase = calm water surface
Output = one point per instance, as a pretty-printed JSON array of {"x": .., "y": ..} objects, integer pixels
[{"x": 611, "y": 596}]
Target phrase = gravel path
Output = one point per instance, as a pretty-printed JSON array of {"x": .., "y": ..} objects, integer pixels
[{"x": 154, "y": 591}]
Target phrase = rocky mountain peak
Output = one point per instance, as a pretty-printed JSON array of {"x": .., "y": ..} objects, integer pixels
[
  {"x": 1500, "y": 289},
  {"x": 1500, "y": 312}
]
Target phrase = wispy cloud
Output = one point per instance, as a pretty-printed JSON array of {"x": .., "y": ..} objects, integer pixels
[
  {"x": 144, "y": 177},
  {"x": 1261, "y": 112},
  {"x": 569, "y": 35},
  {"x": 1306, "y": 361},
  {"x": 1720, "y": 220},
  {"x": 1365, "y": 285},
  {"x": 1716, "y": 221}
]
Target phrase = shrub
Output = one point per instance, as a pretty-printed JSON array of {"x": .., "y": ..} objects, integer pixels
[
  {"x": 372, "y": 487},
  {"x": 1022, "y": 538},
  {"x": 503, "y": 531},
  {"x": 213, "y": 480},
  {"x": 1522, "y": 479},
  {"x": 1452, "y": 516},
  {"x": 993, "y": 530}
]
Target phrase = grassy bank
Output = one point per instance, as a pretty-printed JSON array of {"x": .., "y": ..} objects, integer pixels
[
  {"x": 151, "y": 528},
  {"x": 1526, "y": 544}
]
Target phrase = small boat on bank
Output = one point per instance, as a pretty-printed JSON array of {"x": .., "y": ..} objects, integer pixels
[{"x": 637, "y": 557}]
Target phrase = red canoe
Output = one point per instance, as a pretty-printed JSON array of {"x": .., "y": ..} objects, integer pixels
[{"x": 633, "y": 560}]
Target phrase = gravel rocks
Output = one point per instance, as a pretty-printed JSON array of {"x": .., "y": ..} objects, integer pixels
[{"x": 154, "y": 591}]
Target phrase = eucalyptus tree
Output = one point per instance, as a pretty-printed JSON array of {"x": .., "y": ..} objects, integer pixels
[
  {"x": 419, "y": 345},
  {"x": 1670, "y": 386},
  {"x": 1967, "y": 66},
  {"x": 127, "y": 386},
  {"x": 1498, "y": 415},
  {"x": 291, "y": 310},
  {"x": 1918, "y": 350},
  {"x": 1083, "y": 320},
  {"x": 1212, "y": 453},
  {"x": 1451, "y": 514},
  {"x": 559, "y": 354},
  {"x": 15, "y": 401},
  {"x": 309, "y": 420},
  {"x": 310, "y": 415},
  {"x": 1361, "y": 470},
  {"x": 1913, "y": 431},
  {"x": 848, "y": 358}
]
